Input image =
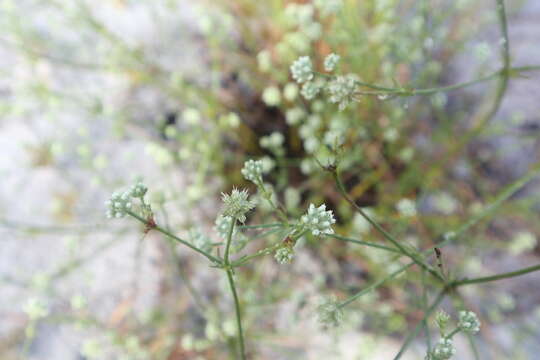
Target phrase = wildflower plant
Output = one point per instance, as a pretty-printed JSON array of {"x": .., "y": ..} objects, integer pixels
[
  {"x": 380, "y": 78},
  {"x": 325, "y": 133}
]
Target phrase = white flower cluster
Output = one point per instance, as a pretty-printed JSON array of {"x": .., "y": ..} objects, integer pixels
[
  {"x": 237, "y": 204},
  {"x": 468, "y": 322},
  {"x": 119, "y": 204},
  {"x": 302, "y": 69},
  {"x": 253, "y": 170},
  {"x": 284, "y": 255},
  {"x": 443, "y": 350},
  {"x": 318, "y": 220},
  {"x": 342, "y": 90},
  {"x": 310, "y": 89},
  {"x": 331, "y": 61},
  {"x": 222, "y": 226},
  {"x": 442, "y": 319},
  {"x": 138, "y": 190},
  {"x": 329, "y": 313}
]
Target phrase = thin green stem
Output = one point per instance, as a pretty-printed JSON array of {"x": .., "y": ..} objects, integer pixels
[
  {"x": 229, "y": 240},
  {"x": 418, "y": 326},
  {"x": 260, "y": 226},
  {"x": 497, "y": 277},
  {"x": 375, "y": 285},
  {"x": 230, "y": 277},
  {"x": 452, "y": 333},
  {"x": 172, "y": 236},
  {"x": 504, "y": 72},
  {"x": 361, "y": 242},
  {"x": 379, "y": 228},
  {"x": 282, "y": 213},
  {"x": 424, "y": 308},
  {"x": 491, "y": 208}
]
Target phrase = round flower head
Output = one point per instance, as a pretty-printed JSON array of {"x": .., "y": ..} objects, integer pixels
[
  {"x": 342, "y": 90},
  {"x": 252, "y": 170},
  {"x": 331, "y": 61},
  {"x": 443, "y": 350},
  {"x": 318, "y": 220},
  {"x": 468, "y": 322},
  {"x": 310, "y": 89},
  {"x": 222, "y": 226},
  {"x": 442, "y": 319},
  {"x": 302, "y": 70},
  {"x": 119, "y": 204},
  {"x": 237, "y": 204},
  {"x": 284, "y": 255},
  {"x": 138, "y": 190},
  {"x": 329, "y": 313}
]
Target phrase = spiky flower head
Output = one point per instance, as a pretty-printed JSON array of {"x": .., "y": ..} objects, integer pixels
[
  {"x": 318, "y": 220},
  {"x": 342, "y": 90},
  {"x": 138, "y": 190},
  {"x": 468, "y": 322},
  {"x": 302, "y": 69},
  {"x": 237, "y": 204},
  {"x": 329, "y": 313},
  {"x": 284, "y": 255},
  {"x": 443, "y": 350},
  {"x": 118, "y": 204},
  {"x": 331, "y": 61},
  {"x": 441, "y": 319},
  {"x": 252, "y": 170}
]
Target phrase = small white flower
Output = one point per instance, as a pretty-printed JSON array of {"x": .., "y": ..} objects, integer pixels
[
  {"x": 138, "y": 190},
  {"x": 444, "y": 350},
  {"x": 222, "y": 226},
  {"x": 290, "y": 91},
  {"x": 237, "y": 204},
  {"x": 310, "y": 89},
  {"x": 253, "y": 170},
  {"x": 331, "y": 61},
  {"x": 468, "y": 322},
  {"x": 342, "y": 90},
  {"x": 318, "y": 220},
  {"x": 119, "y": 204},
  {"x": 295, "y": 115},
  {"x": 329, "y": 313},
  {"x": 302, "y": 69},
  {"x": 284, "y": 255},
  {"x": 406, "y": 207},
  {"x": 442, "y": 319},
  {"x": 271, "y": 96}
]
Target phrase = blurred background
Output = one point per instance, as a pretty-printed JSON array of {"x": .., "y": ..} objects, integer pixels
[{"x": 179, "y": 93}]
